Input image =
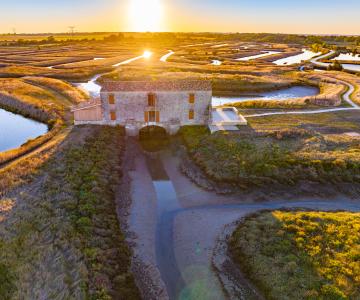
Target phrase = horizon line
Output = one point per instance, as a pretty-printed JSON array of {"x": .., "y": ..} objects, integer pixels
[{"x": 204, "y": 32}]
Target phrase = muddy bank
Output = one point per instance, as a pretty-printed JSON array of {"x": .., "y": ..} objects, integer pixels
[
  {"x": 140, "y": 222},
  {"x": 235, "y": 283},
  {"x": 174, "y": 237}
]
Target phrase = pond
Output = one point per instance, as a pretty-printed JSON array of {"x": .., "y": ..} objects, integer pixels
[
  {"x": 348, "y": 56},
  {"x": 283, "y": 94},
  {"x": 263, "y": 54},
  {"x": 351, "y": 67},
  {"x": 296, "y": 59},
  {"x": 15, "y": 130},
  {"x": 216, "y": 62}
]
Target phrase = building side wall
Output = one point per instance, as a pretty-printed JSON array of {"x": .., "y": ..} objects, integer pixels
[{"x": 88, "y": 114}]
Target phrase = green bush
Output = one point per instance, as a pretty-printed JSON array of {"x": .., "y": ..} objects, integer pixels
[{"x": 7, "y": 285}]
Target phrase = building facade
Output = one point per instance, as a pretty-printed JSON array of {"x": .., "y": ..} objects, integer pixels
[{"x": 136, "y": 105}]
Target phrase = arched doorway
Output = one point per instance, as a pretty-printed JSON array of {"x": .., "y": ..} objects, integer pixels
[{"x": 153, "y": 138}]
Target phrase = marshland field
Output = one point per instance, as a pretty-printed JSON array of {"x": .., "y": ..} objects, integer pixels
[{"x": 87, "y": 212}]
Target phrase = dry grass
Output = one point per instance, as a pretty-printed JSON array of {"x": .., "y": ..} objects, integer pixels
[
  {"x": 23, "y": 170},
  {"x": 80, "y": 74},
  {"x": 72, "y": 94},
  {"x": 35, "y": 102}
]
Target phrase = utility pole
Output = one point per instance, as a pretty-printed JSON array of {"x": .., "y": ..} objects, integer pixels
[{"x": 72, "y": 30}]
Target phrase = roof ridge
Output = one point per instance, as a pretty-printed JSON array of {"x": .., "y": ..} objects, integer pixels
[{"x": 165, "y": 85}]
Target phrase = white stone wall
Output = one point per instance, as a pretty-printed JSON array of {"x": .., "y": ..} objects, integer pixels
[{"x": 173, "y": 107}]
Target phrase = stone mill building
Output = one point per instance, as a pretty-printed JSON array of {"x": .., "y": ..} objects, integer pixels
[{"x": 137, "y": 105}]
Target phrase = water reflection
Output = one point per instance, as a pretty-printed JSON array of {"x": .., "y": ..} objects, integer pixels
[
  {"x": 264, "y": 54},
  {"x": 283, "y": 94},
  {"x": 296, "y": 59},
  {"x": 15, "y": 130},
  {"x": 348, "y": 56}
]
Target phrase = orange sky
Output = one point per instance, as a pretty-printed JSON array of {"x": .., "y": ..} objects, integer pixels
[{"x": 307, "y": 16}]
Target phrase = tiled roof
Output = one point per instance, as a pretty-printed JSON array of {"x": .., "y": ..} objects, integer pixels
[{"x": 152, "y": 86}]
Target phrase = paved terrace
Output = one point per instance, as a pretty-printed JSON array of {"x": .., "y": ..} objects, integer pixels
[{"x": 226, "y": 119}]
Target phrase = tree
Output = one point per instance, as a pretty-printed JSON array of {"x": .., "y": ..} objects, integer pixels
[{"x": 335, "y": 66}]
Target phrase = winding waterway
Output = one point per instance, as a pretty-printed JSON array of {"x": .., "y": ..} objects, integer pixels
[
  {"x": 92, "y": 88},
  {"x": 15, "y": 130},
  {"x": 188, "y": 221},
  {"x": 283, "y": 94}
]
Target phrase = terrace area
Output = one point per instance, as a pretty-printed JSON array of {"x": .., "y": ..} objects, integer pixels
[{"x": 226, "y": 119}]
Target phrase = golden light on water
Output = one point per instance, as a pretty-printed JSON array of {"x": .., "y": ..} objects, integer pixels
[
  {"x": 147, "y": 54},
  {"x": 145, "y": 15}
]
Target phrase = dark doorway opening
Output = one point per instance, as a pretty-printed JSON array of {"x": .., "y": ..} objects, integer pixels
[{"x": 153, "y": 138}]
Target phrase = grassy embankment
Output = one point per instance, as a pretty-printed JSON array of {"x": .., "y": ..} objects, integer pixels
[
  {"x": 79, "y": 74},
  {"x": 63, "y": 239},
  {"x": 282, "y": 156},
  {"x": 43, "y": 99},
  {"x": 300, "y": 255}
]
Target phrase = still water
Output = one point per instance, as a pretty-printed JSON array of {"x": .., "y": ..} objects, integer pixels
[
  {"x": 296, "y": 59},
  {"x": 15, "y": 130},
  {"x": 283, "y": 94},
  {"x": 348, "y": 56},
  {"x": 264, "y": 54}
]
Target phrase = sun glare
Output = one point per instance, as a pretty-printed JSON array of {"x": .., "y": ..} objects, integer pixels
[
  {"x": 145, "y": 15},
  {"x": 147, "y": 54}
]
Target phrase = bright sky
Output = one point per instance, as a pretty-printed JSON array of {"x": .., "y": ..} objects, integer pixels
[{"x": 285, "y": 16}]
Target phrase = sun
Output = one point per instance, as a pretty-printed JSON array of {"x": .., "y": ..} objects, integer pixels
[
  {"x": 145, "y": 15},
  {"x": 147, "y": 54}
]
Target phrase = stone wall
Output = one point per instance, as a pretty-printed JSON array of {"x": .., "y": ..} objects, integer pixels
[{"x": 174, "y": 109}]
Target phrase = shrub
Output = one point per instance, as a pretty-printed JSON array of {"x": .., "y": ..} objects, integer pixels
[{"x": 7, "y": 285}]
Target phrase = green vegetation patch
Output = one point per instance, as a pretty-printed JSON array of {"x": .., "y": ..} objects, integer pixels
[
  {"x": 93, "y": 172},
  {"x": 67, "y": 229},
  {"x": 280, "y": 156},
  {"x": 300, "y": 255}
]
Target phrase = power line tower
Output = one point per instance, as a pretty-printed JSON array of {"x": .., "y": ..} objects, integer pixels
[
  {"x": 72, "y": 30},
  {"x": 14, "y": 30}
]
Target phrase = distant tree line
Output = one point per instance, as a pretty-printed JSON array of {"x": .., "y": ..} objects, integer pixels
[{"x": 325, "y": 41}]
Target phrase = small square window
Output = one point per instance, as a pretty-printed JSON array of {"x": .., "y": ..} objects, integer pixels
[
  {"x": 191, "y": 114},
  {"x": 152, "y": 116},
  {"x": 191, "y": 98},
  {"x": 111, "y": 99},
  {"x": 151, "y": 100},
  {"x": 113, "y": 116}
]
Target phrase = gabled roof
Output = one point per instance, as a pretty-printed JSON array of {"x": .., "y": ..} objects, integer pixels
[{"x": 153, "y": 86}]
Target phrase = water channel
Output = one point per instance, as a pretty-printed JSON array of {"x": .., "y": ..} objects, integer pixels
[
  {"x": 15, "y": 130},
  {"x": 282, "y": 94}
]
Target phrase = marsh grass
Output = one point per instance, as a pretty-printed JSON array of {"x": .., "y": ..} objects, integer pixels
[
  {"x": 70, "y": 218},
  {"x": 285, "y": 156},
  {"x": 300, "y": 254}
]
